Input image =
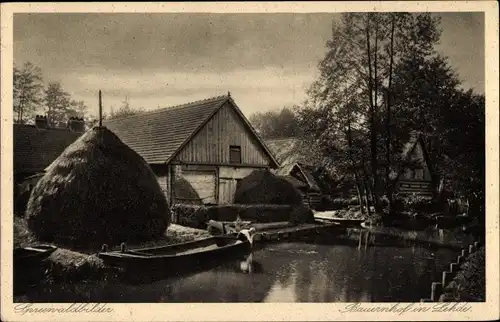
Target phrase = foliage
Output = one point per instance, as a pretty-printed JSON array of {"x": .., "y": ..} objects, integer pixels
[
  {"x": 30, "y": 98},
  {"x": 301, "y": 214},
  {"x": 352, "y": 212},
  {"x": 329, "y": 203},
  {"x": 27, "y": 90},
  {"x": 416, "y": 204},
  {"x": 197, "y": 216},
  {"x": 23, "y": 237},
  {"x": 379, "y": 82},
  {"x": 260, "y": 213},
  {"x": 194, "y": 216},
  {"x": 58, "y": 103},
  {"x": 344, "y": 104},
  {"x": 124, "y": 111},
  {"x": 470, "y": 283},
  {"x": 276, "y": 124}
]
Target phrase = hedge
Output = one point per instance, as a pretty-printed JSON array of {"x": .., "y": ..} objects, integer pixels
[
  {"x": 198, "y": 216},
  {"x": 190, "y": 215},
  {"x": 418, "y": 204},
  {"x": 329, "y": 203}
]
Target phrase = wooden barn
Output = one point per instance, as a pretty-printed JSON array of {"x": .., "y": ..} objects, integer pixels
[
  {"x": 207, "y": 144},
  {"x": 415, "y": 176},
  {"x": 293, "y": 159}
]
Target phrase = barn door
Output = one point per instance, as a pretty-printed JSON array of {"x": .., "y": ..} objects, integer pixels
[{"x": 227, "y": 187}]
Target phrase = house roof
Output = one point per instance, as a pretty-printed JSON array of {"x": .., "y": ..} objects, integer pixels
[
  {"x": 159, "y": 135},
  {"x": 35, "y": 149},
  {"x": 285, "y": 150},
  {"x": 306, "y": 170},
  {"x": 290, "y": 153},
  {"x": 407, "y": 151},
  {"x": 294, "y": 181}
]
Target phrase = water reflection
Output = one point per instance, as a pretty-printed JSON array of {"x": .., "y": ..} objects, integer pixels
[{"x": 285, "y": 272}]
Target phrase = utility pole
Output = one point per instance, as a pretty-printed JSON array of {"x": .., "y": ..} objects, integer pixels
[{"x": 100, "y": 109}]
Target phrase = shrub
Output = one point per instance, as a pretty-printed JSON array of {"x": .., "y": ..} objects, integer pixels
[
  {"x": 329, "y": 203},
  {"x": 198, "y": 216},
  {"x": 415, "y": 203},
  {"x": 301, "y": 214},
  {"x": 420, "y": 204},
  {"x": 190, "y": 215},
  {"x": 98, "y": 191},
  {"x": 22, "y": 235},
  {"x": 263, "y": 187},
  {"x": 254, "y": 213}
]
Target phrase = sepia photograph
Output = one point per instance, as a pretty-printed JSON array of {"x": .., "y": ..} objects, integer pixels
[{"x": 248, "y": 157}]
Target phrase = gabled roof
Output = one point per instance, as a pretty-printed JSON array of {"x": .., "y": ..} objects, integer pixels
[
  {"x": 35, "y": 149},
  {"x": 408, "y": 148},
  {"x": 294, "y": 181},
  {"x": 286, "y": 151},
  {"x": 290, "y": 153},
  {"x": 307, "y": 172},
  {"x": 159, "y": 135}
]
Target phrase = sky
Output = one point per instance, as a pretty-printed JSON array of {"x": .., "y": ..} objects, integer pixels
[{"x": 266, "y": 61}]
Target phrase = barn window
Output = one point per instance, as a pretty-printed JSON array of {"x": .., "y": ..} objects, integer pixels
[{"x": 234, "y": 154}]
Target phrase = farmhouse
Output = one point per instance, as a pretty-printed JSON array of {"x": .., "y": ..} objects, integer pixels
[
  {"x": 295, "y": 166},
  {"x": 207, "y": 144},
  {"x": 36, "y": 146},
  {"x": 415, "y": 175}
]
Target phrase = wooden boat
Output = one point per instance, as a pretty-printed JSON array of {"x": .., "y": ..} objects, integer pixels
[
  {"x": 29, "y": 256},
  {"x": 183, "y": 256}
]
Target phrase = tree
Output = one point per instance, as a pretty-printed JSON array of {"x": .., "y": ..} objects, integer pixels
[
  {"x": 125, "y": 110},
  {"x": 58, "y": 104},
  {"x": 463, "y": 163},
  {"x": 81, "y": 110},
  {"x": 358, "y": 67},
  {"x": 276, "y": 124},
  {"x": 27, "y": 90},
  {"x": 77, "y": 109}
]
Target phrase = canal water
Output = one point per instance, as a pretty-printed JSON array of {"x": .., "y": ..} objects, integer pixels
[{"x": 284, "y": 272}]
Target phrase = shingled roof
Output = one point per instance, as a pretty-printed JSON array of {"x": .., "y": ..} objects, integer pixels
[
  {"x": 35, "y": 149},
  {"x": 158, "y": 135},
  {"x": 292, "y": 152},
  {"x": 408, "y": 148}
]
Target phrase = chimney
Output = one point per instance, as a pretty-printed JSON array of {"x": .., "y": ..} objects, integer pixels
[
  {"x": 41, "y": 122},
  {"x": 76, "y": 124}
]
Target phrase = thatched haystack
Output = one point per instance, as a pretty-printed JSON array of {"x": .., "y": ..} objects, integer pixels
[
  {"x": 98, "y": 191},
  {"x": 263, "y": 187}
]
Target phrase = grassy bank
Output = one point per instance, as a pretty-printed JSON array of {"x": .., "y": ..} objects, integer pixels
[
  {"x": 76, "y": 265},
  {"x": 469, "y": 285}
]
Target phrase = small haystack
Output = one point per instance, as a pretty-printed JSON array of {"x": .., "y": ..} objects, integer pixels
[
  {"x": 263, "y": 187},
  {"x": 98, "y": 191}
]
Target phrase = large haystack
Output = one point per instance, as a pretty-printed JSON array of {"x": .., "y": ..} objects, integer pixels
[
  {"x": 98, "y": 191},
  {"x": 263, "y": 187}
]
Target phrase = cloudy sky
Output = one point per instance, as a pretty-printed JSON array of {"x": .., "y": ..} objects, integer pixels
[{"x": 265, "y": 60}]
